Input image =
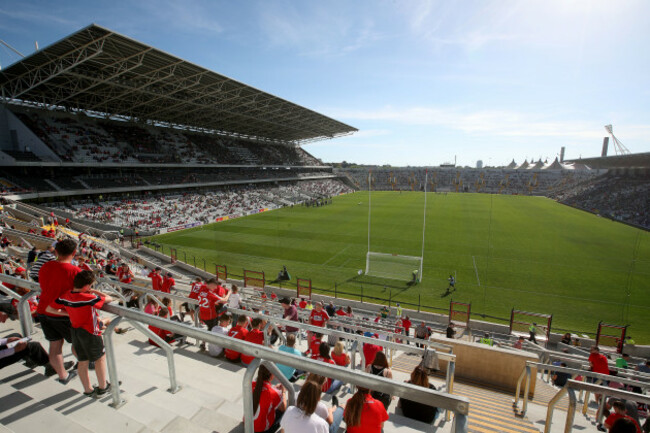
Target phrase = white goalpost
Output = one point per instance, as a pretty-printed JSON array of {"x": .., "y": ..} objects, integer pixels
[{"x": 395, "y": 266}]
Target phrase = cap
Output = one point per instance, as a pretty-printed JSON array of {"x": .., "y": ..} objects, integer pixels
[{"x": 20, "y": 269}]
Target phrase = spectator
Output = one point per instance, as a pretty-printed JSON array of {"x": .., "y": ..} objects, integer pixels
[
  {"x": 450, "y": 330},
  {"x": 290, "y": 313},
  {"x": 43, "y": 257},
  {"x": 221, "y": 329},
  {"x": 289, "y": 372},
  {"x": 14, "y": 348},
  {"x": 379, "y": 367},
  {"x": 422, "y": 332},
  {"x": 82, "y": 305},
  {"x": 301, "y": 417},
  {"x": 269, "y": 402},
  {"x": 238, "y": 332},
  {"x": 414, "y": 410},
  {"x": 256, "y": 335},
  {"x": 364, "y": 414}
]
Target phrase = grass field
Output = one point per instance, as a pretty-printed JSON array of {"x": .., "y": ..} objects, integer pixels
[{"x": 529, "y": 253}]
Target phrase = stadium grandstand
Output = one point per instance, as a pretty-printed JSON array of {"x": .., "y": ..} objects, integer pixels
[{"x": 104, "y": 139}]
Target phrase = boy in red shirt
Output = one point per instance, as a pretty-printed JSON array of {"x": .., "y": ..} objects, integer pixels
[
  {"x": 256, "y": 335},
  {"x": 208, "y": 300},
  {"x": 195, "y": 288},
  {"x": 238, "y": 332},
  {"x": 314, "y": 346},
  {"x": 55, "y": 278},
  {"x": 82, "y": 305},
  {"x": 406, "y": 324},
  {"x": 318, "y": 316}
]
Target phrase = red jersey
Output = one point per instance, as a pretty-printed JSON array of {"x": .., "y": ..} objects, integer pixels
[
  {"x": 318, "y": 318},
  {"x": 124, "y": 275},
  {"x": 83, "y": 309},
  {"x": 314, "y": 348},
  {"x": 33, "y": 305},
  {"x": 406, "y": 324},
  {"x": 238, "y": 333},
  {"x": 302, "y": 304},
  {"x": 598, "y": 363},
  {"x": 85, "y": 267},
  {"x": 55, "y": 279},
  {"x": 207, "y": 301},
  {"x": 156, "y": 281},
  {"x": 340, "y": 312},
  {"x": 162, "y": 333},
  {"x": 369, "y": 352},
  {"x": 270, "y": 400},
  {"x": 373, "y": 415},
  {"x": 339, "y": 359},
  {"x": 195, "y": 289},
  {"x": 615, "y": 416},
  {"x": 168, "y": 283},
  {"x": 254, "y": 336}
]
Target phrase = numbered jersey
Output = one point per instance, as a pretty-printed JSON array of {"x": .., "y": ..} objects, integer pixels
[{"x": 207, "y": 301}]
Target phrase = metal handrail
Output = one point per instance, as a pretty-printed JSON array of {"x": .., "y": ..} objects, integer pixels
[
  {"x": 526, "y": 374},
  {"x": 458, "y": 405},
  {"x": 596, "y": 389},
  {"x": 393, "y": 335},
  {"x": 247, "y": 388}
]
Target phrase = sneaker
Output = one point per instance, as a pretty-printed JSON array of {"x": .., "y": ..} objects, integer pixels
[
  {"x": 71, "y": 375},
  {"x": 100, "y": 392},
  {"x": 49, "y": 370},
  {"x": 92, "y": 393},
  {"x": 68, "y": 365},
  {"x": 120, "y": 331}
]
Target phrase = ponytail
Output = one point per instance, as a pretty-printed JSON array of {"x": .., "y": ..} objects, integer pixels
[
  {"x": 353, "y": 409},
  {"x": 263, "y": 375}
]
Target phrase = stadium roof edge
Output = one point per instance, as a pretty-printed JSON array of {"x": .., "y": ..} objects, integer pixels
[{"x": 98, "y": 70}]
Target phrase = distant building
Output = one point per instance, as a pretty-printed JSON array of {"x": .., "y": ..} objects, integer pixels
[{"x": 479, "y": 164}]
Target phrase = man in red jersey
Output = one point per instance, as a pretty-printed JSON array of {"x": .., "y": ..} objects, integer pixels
[
  {"x": 168, "y": 283},
  {"x": 156, "y": 279},
  {"x": 256, "y": 335},
  {"x": 318, "y": 316},
  {"x": 208, "y": 299},
  {"x": 238, "y": 332},
  {"x": 598, "y": 363},
  {"x": 314, "y": 345},
  {"x": 55, "y": 278}
]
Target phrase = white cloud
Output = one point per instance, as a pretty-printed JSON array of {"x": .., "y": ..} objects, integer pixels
[{"x": 502, "y": 123}]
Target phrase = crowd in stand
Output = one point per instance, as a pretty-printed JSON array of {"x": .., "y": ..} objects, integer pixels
[
  {"x": 158, "y": 211},
  {"x": 619, "y": 197},
  {"x": 78, "y": 138}
]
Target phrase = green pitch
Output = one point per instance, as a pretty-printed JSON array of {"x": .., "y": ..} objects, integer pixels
[{"x": 529, "y": 253}]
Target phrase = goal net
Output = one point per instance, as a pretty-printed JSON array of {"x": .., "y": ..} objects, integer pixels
[{"x": 393, "y": 266}]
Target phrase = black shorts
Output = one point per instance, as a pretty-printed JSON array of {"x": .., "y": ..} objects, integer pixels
[
  {"x": 189, "y": 307},
  {"x": 89, "y": 347},
  {"x": 211, "y": 323},
  {"x": 56, "y": 328}
]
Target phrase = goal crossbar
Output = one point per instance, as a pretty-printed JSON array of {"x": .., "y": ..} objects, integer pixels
[{"x": 393, "y": 266}]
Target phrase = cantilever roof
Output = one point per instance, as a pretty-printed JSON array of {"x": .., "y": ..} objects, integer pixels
[{"x": 98, "y": 70}]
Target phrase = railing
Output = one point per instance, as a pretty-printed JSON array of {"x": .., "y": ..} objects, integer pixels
[
  {"x": 458, "y": 405},
  {"x": 596, "y": 389},
  {"x": 526, "y": 375}
]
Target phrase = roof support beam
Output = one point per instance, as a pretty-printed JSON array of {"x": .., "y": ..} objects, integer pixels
[{"x": 41, "y": 75}]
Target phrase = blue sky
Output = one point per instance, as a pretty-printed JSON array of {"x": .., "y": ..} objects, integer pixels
[{"x": 423, "y": 81}]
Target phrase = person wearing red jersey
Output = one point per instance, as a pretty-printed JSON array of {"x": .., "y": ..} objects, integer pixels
[
  {"x": 125, "y": 274},
  {"x": 55, "y": 278},
  {"x": 269, "y": 402},
  {"x": 195, "y": 288},
  {"x": 256, "y": 335},
  {"x": 81, "y": 264},
  {"x": 329, "y": 386},
  {"x": 406, "y": 324},
  {"x": 238, "y": 332},
  {"x": 302, "y": 304},
  {"x": 168, "y": 283},
  {"x": 314, "y": 345},
  {"x": 82, "y": 305},
  {"x": 620, "y": 413},
  {"x": 370, "y": 350},
  {"x": 156, "y": 279},
  {"x": 318, "y": 316},
  {"x": 208, "y": 299},
  {"x": 364, "y": 414},
  {"x": 598, "y": 363}
]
